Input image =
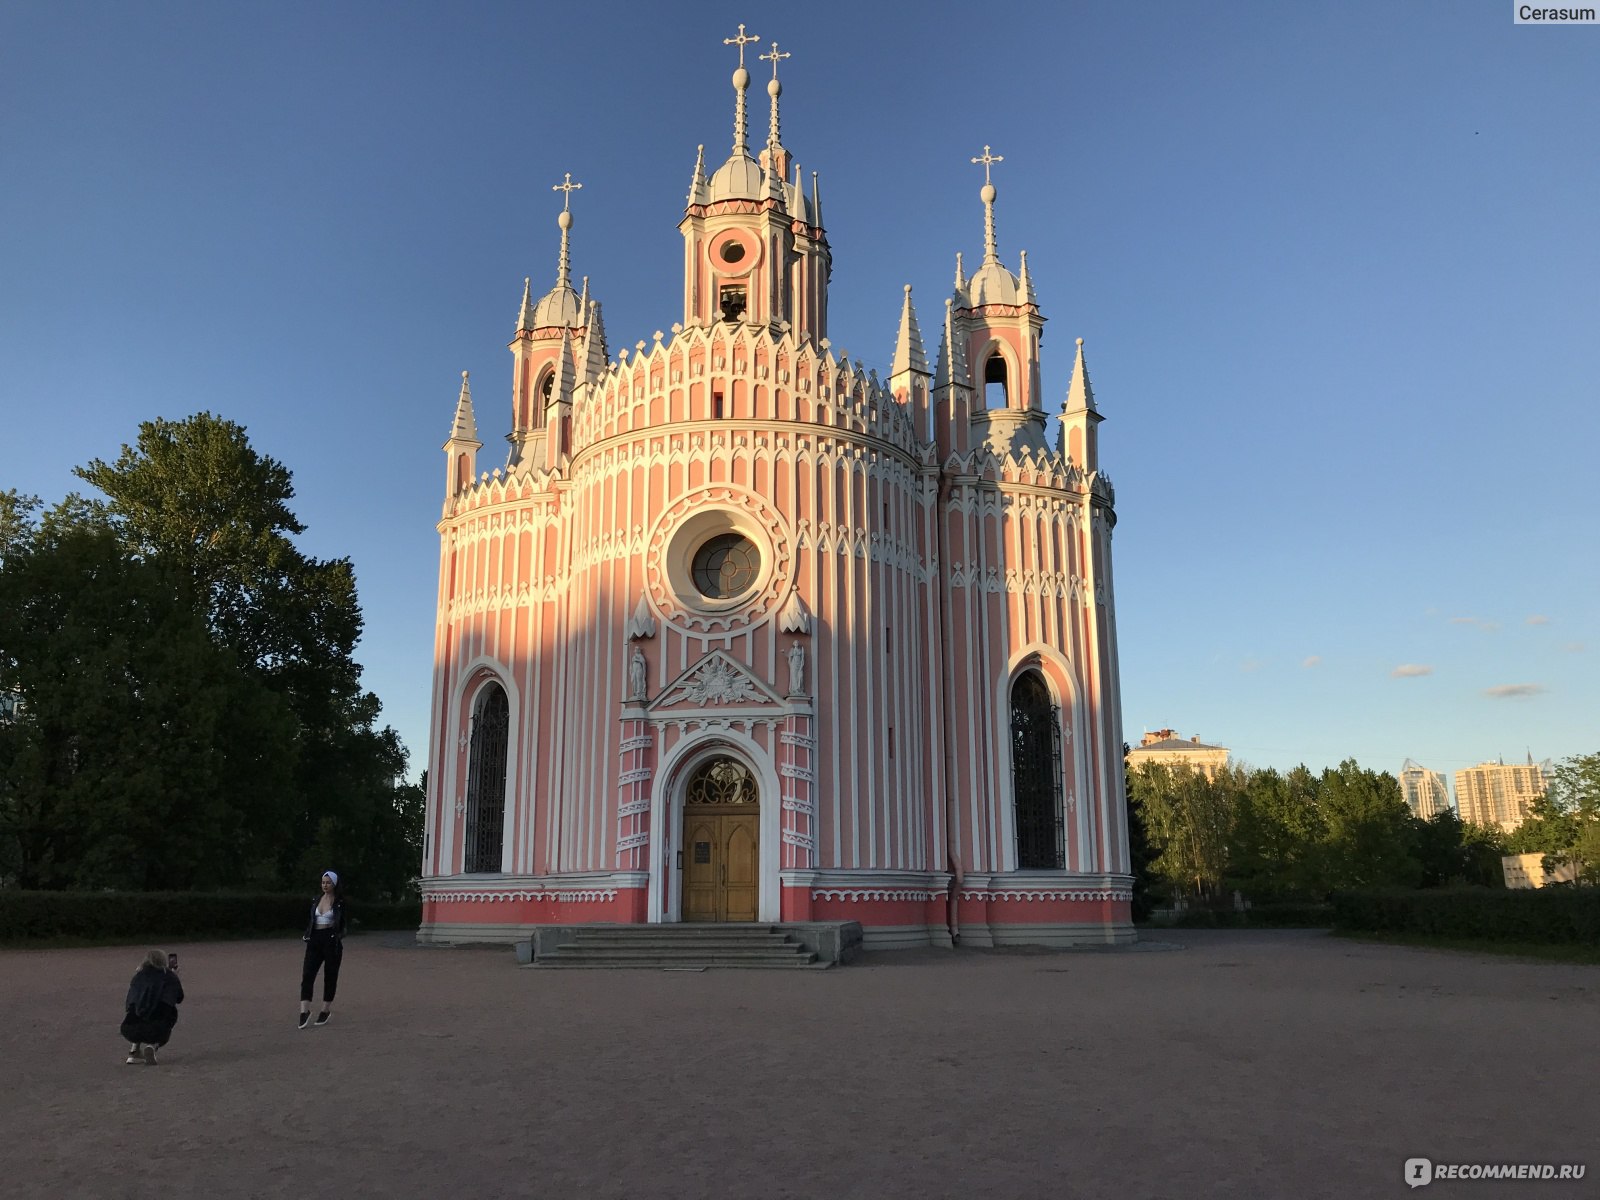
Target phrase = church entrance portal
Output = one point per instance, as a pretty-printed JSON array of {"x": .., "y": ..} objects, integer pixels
[{"x": 721, "y": 842}]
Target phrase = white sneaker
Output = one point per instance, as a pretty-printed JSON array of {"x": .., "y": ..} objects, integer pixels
[
  {"x": 149, "y": 1054},
  {"x": 133, "y": 1058}
]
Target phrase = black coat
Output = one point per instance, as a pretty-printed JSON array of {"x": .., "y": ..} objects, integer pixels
[
  {"x": 151, "y": 1009},
  {"x": 338, "y": 918}
]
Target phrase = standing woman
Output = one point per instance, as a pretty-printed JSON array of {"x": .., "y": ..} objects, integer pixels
[{"x": 324, "y": 938}]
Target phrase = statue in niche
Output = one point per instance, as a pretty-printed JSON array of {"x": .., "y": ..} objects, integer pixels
[
  {"x": 797, "y": 668},
  {"x": 636, "y": 675}
]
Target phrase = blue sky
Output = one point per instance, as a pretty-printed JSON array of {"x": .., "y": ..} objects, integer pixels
[{"x": 1337, "y": 267}]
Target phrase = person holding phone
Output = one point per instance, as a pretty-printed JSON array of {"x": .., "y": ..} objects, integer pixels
[
  {"x": 151, "y": 1009},
  {"x": 324, "y": 939}
]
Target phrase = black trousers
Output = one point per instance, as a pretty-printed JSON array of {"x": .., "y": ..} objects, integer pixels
[{"x": 323, "y": 950}]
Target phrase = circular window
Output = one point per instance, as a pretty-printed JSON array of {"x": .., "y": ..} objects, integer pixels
[
  {"x": 732, "y": 251},
  {"x": 725, "y": 566}
]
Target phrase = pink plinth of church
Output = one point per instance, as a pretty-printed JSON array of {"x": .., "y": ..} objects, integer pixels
[{"x": 741, "y": 632}]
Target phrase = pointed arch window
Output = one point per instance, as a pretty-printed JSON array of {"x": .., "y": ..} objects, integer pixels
[
  {"x": 486, "y": 781},
  {"x": 547, "y": 383},
  {"x": 1036, "y": 775},
  {"x": 996, "y": 383}
]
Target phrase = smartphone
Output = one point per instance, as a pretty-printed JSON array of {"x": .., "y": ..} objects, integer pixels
[{"x": 172, "y": 962}]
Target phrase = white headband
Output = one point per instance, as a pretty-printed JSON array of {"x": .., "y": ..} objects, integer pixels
[{"x": 333, "y": 875}]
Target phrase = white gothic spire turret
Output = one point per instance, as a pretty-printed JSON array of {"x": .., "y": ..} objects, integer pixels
[
  {"x": 908, "y": 352},
  {"x": 561, "y": 306}
]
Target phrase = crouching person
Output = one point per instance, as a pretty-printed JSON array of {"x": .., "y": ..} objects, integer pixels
[{"x": 152, "y": 1006}]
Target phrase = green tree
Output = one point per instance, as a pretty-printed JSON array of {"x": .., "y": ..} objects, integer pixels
[
  {"x": 1274, "y": 846},
  {"x": 134, "y": 759},
  {"x": 1187, "y": 816},
  {"x": 1565, "y": 823},
  {"x": 1369, "y": 838},
  {"x": 211, "y": 667}
]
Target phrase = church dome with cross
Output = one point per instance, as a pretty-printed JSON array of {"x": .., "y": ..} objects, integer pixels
[{"x": 742, "y": 632}]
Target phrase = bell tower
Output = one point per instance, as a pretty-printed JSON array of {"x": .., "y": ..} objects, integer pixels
[
  {"x": 544, "y": 359},
  {"x": 754, "y": 248},
  {"x": 997, "y": 317}
]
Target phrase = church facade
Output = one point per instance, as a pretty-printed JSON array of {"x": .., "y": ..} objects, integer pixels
[{"x": 741, "y": 632}]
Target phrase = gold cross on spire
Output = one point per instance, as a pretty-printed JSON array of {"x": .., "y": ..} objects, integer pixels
[
  {"x": 741, "y": 41},
  {"x": 774, "y": 58},
  {"x": 568, "y": 187},
  {"x": 988, "y": 160}
]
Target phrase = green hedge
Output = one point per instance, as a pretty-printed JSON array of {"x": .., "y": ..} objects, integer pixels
[
  {"x": 153, "y": 916},
  {"x": 1552, "y": 915},
  {"x": 1257, "y": 916}
]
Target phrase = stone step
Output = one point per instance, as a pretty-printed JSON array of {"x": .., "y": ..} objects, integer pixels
[
  {"x": 771, "y": 943},
  {"x": 807, "y": 963},
  {"x": 706, "y": 952}
]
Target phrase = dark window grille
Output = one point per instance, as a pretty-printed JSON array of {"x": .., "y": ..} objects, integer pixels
[
  {"x": 486, "y": 780},
  {"x": 725, "y": 566},
  {"x": 1036, "y": 775}
]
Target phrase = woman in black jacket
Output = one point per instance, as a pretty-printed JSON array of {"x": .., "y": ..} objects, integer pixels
[
  {"x": 151, "y": 1009},
  {"x": 324, "y": 939}
]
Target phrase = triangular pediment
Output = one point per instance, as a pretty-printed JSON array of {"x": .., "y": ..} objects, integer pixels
[{"x": 717, "y": 681}]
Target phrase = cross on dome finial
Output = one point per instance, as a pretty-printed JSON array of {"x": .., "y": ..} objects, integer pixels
[
  {"x": 564, "y": 268},
  {"x": 567, "y": 187},
  {"x": 741, "y": 41},
  {"x": 774, "y": 89},
  {"x": 741, "y": 80},
  {"x": 988, "y": 159},
  {"x": 774, "y": 58}
]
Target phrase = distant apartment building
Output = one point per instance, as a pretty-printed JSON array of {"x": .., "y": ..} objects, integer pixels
[
  {"x": 1527, "y": 871},
  {"x": 1426, "y": 792},
  {"x": 1167, "y": 748},
  {"x": 1498, "y": 795}
]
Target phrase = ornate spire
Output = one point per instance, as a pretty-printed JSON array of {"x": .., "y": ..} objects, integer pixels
[
  {"x": 525, "y": 317},
  {"x": 1025, "y": 283},
  {"x": 697, "y": 185},
  {"x": 961, "y": 275},
  {"x": 741, "y": 81},
  {"x": 908, "y": 353},
  {"x": 561, "y": 388},
  {"x": 816, "y": 202},
  {"x": 564, "y": 269},
  {"x": 465, "y": 427},
  {"x": 594, "y": 342},
  {"x": 990, "y": 254},
  {"x": 952, "y": 366},
  {"x": 1080, "y": 396},
  {"x": 774, "y": 89}
]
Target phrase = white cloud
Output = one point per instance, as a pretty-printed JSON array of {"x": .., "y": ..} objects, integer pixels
[
  {"x": 1574, "y": 647},
  {"x": 1476, "y": 623},
  {"x": 1513, "y": 691},
  {"x": 1410, "y": 671},
  {"x": 1538, "y": 619},
  {"x": 1314, "y": 660},
  {"x": 1251, "y": 665}
]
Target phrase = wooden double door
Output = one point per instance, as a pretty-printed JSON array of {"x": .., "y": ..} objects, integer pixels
[{"x": 721, "y": 863}]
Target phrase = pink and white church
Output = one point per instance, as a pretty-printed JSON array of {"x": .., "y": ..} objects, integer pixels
[{"x": 740, "y": 631}]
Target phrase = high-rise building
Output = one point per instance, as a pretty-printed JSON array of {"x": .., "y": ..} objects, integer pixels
[
  {"x": 1425, "y": 791},
  {"x": 1498, "y": 795},
  {"x": 741, "y": 631}
]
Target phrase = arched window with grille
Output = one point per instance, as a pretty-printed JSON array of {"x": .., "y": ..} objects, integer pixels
[
  {"x": 1036, "y": 775},
  {"x": 486, "y": 780}
]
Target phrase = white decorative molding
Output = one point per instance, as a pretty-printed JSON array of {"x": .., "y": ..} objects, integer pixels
[
  {"x": 637, "y": 775},
  {"x": 791, "y": 771},
  {"x": 795, "y": 804},
  {"x": 1067, "y": 894},
  {"x": 632, "y": 841},
  {"x": 642, "y": 624},
  {"x": 643, "y": 742},
  {"x": 798, "y": 739},
  {"x": 795, "y": 618},
  {"x": 803, "y": 840},
  {"x": 634, "y": 807},
  {"x": 866, "y": 895},
  {"x": 562, "y": 896}
]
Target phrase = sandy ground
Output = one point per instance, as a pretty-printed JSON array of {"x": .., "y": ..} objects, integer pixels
[{"x": 1227, "y": 1064}]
